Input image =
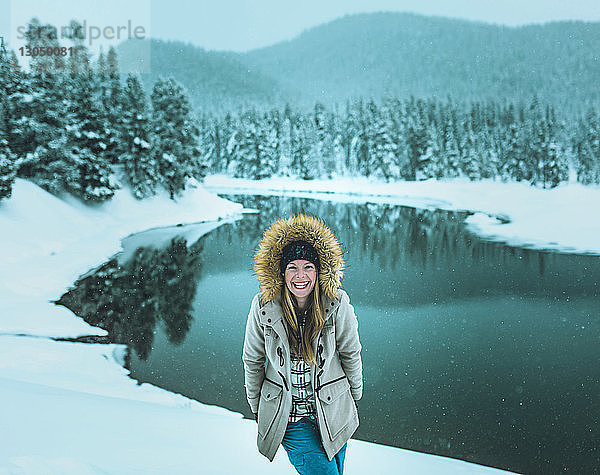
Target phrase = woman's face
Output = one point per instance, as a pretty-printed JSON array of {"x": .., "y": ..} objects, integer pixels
[{"x": 300, "y": 277}]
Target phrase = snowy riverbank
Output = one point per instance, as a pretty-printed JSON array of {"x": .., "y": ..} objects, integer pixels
[
  {"x": 561, "y": 219},
  {"x": 70, "y": 407}
]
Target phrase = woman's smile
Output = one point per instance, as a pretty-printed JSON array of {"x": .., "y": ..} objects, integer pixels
[{"x": 300, "y": 285}]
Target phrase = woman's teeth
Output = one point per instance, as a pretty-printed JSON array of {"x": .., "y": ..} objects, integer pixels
[{"x": 300, "y": 286}]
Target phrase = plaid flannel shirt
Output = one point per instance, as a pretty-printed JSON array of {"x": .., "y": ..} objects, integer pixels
[{"x": 303, "y": 398}]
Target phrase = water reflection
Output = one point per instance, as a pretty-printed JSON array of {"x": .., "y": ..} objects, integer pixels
[{"x": 129, "y": 299}]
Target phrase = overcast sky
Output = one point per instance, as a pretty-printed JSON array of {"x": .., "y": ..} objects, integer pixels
[
  {"x": 245, "y": 24},
  {"x": 240, "y": 25}
]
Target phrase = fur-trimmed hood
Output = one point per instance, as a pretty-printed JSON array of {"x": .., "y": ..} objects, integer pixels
[{"x": 296, "y": 228}]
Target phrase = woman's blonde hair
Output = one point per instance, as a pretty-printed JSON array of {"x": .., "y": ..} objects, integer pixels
[{"x": 302, "y": 344}]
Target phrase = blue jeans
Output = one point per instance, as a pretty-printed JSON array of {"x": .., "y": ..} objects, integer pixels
[{"x": 302, "y": 442}]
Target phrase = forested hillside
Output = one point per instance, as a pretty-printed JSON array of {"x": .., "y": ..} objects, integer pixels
[
  {"x": 400, "y": 55},
  {"x": 73, "y": 123}
]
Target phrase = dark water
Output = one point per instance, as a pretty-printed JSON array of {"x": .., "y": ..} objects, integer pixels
[{"x": 471, "y": 349}]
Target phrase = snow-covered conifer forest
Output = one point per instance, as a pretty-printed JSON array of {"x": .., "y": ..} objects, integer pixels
[{"x": 70, "y": 123}]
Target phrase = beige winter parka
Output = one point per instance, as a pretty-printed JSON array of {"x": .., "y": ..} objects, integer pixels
[{"x": 337, "y": 377}]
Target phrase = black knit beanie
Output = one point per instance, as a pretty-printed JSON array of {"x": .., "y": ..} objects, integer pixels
[{"x": 298, "y": 250}]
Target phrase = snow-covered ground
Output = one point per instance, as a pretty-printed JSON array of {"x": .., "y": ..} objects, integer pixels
[
  {"x": 70, "y": 407},
  {"x": 564, "y": 219}
]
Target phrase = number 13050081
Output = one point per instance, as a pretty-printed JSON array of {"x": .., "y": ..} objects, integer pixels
[{"x": 45, "y": 51}]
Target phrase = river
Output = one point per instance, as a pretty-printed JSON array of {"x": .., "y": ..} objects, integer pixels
[{"x": 471, "y": 349}]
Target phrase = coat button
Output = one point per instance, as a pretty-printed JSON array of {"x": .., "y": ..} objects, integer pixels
[
  {"x": 268, "y": 396},
  {"x": 263, "y": 312},
  {"x": 328, "y": 398},
  {"x": 332, "y": 304},
  {"x": 269, "y": 320},
  {"x": 326, "y": 310}
]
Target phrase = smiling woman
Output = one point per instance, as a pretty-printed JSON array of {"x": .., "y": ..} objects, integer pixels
[{"x": 303, "y": 369}]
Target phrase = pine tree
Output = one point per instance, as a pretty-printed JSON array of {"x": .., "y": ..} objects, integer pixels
[
  {"x": 587, "y": 149},
  {"x": 113, "y": 107},
  {"x": 397, "y": 115},
  {"x": 471, "y": 160},
  {"x": 115, "y": 88},
  {"x": 362, "y": 148},
  {"x": 43, "y": 118},
  {"x": 418, "y": 141},
  {"x": 102, "y": 74},
  {"x": 42, "y": 126},
  {"x": 175, "y": 136},
  {"x": 8, "y": 165},
  {"x": 355, "y": 137},
  {"x": 330, "y": 148},
  {"x": 549, "y": 166},
  {"x": 43, "y": 37},
  {"x": 285, "y": 141},
  {"x": 13, "y": 101},
  {"x": 382, "y": 153},
  {"x": 38, "y": 114},
  {"x": 268, "y": 145},
  {"x": 451, "y": 160},
  {"x": 489, "y": 162},
  {"x": 345, "y": 130},
  {"x": 226, "y": 131},
  {"x": 552, "y": 171},
  {"x": 138, "y": 163},
  {"x": 232, "y": 148},
  {"x": 513, "y": 165},
  {"x": 79, "y": 61},
  {"x": 301, "y": 147},
  {"x": 245, "y": 148},
  {"x": 339, "y": 154},
  {"x": 322, "y": 147},
  {"x": 56, "y": 168},
  {"x": 209, "y": 137},
  {"x": 534, "y": 145},
  {"x": 86, "y": 135},
  {"x": 8, "y": 170},
  {"x": 41, "y": 130},
  {"x": 451, "y": 154},
  {"x": 210, "y": 142}
]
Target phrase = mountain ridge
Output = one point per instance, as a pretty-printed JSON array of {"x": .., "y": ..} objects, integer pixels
[{"x": 404, "y": 54}]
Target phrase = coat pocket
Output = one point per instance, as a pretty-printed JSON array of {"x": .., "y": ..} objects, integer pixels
[
  {"x": 337, "y": 404},
  {"x": 269, "y": 405}
]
